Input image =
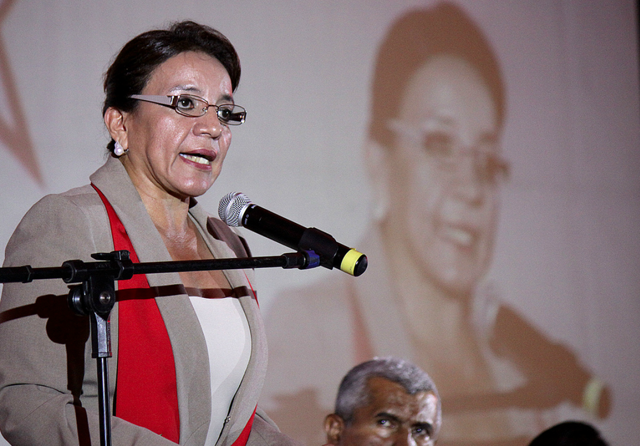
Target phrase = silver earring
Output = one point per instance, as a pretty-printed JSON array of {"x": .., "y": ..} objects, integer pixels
[{"x": 118, "y": 150}]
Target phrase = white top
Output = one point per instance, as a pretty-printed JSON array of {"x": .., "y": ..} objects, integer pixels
[{"x": 228, "y": 338}]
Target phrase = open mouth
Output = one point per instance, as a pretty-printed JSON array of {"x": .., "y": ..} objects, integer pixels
[
  {"x": 205, "y": 160},
  {"x": 460, "y": 236}
]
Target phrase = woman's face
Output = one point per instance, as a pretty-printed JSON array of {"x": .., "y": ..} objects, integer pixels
[
  {"x": 171, "y": 153},
  {"x": 445, "y": 202}
]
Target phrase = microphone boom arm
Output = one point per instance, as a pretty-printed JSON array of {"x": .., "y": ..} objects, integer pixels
[{"x": 95, "y": 296}]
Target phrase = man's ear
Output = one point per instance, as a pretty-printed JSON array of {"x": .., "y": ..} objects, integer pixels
[
  {"x": 114, "y": 119},
  {"x": 376, "y": 158},
  {"x": 333, "y": 427}
]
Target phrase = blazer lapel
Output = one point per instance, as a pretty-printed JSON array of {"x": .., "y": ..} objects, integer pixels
[{"x": 187, "y": 339}]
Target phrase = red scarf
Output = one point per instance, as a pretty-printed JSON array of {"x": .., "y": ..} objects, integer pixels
[{"x": 146, "y": 390}]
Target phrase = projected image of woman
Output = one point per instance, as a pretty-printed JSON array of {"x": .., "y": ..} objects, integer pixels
[{"x": 436, "y": 167}]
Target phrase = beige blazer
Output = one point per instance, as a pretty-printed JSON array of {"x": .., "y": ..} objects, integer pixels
[{"x": 48, "y": 383}]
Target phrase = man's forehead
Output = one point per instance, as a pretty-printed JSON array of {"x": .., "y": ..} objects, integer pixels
[{"x": 390, "y": 397}]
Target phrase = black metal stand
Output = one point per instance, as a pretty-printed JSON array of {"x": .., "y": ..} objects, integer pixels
[{"x": 95, "y": 296}]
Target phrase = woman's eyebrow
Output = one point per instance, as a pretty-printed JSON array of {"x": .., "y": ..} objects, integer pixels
[
  {"x": 225, "y": 98},
  {"x": 189, "y": 88}
]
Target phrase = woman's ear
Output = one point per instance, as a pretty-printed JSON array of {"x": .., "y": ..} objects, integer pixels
[
  {"x": 376, "y": 158},
  {"x": 333, "y": 427},
  {"x": 114, "y": 120}
]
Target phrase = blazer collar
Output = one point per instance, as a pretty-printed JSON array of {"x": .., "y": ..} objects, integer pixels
[{"x": 180, "y": 319}]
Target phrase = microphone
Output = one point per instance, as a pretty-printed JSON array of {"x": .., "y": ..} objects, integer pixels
[{"x": 235, "y": 209}]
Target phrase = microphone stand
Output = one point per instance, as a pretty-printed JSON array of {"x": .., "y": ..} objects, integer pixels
[{"x": 95, "y": 295}]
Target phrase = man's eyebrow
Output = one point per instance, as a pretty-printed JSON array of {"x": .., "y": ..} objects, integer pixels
[
  {"x": 388, "y": 415},
  {"x": 424, "y": 425}
]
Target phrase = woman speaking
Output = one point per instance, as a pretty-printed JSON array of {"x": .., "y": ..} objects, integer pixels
[{"x": 189, "y": 348}]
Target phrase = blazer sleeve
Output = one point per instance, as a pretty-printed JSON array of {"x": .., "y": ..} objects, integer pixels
[{"x": 48, "y": 383}]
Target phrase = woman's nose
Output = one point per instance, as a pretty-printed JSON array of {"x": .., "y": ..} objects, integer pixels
[
  {"x": 469, "y": 182},
  {"x": 209, "y": 124}
]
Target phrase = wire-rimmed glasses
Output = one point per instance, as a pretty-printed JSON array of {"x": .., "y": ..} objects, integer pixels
[{"x": 195, "y": 106}]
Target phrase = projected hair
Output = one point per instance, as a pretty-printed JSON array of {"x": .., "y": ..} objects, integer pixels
[{"x": 413, "y": 40}]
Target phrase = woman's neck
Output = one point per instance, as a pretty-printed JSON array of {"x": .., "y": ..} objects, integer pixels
[{"x": 169, "y": 214}]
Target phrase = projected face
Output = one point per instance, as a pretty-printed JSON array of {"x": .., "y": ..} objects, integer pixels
[{"x": 445, "y": 172}]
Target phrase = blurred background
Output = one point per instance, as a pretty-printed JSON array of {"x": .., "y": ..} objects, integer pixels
[{"x": 566, "y": 253}]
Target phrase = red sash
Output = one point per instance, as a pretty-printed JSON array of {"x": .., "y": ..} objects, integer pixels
[{"x": 146, "y": 390}]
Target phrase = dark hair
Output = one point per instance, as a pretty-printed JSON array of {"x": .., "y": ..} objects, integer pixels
[
  {"x": 411, "y": 41},
  {"x": 353, "y": 392},
  {"x": 135, "y": 63},
  {"x": 569, "y": 433}
]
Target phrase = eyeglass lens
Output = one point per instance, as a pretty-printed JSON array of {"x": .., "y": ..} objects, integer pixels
[
  {"x": 450, "y": 152},
  {"x": 193, "y": 106},
  {"x": 445, "y": 148}
]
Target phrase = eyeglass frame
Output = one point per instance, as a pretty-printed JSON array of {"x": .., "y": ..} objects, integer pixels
[
  {"x": 171, "y": 101},
  {"x": 415, "y": 133}
]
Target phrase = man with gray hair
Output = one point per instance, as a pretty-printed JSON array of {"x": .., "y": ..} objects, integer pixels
[{"x": 385, "y": 401}]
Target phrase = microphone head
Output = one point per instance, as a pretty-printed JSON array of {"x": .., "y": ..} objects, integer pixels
[{"x": 231, "y": 208}]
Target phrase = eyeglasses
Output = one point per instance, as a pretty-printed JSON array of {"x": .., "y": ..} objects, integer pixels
[
  {"x": 446, "y": 148},
  {"x": 195, "y": 106}
]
